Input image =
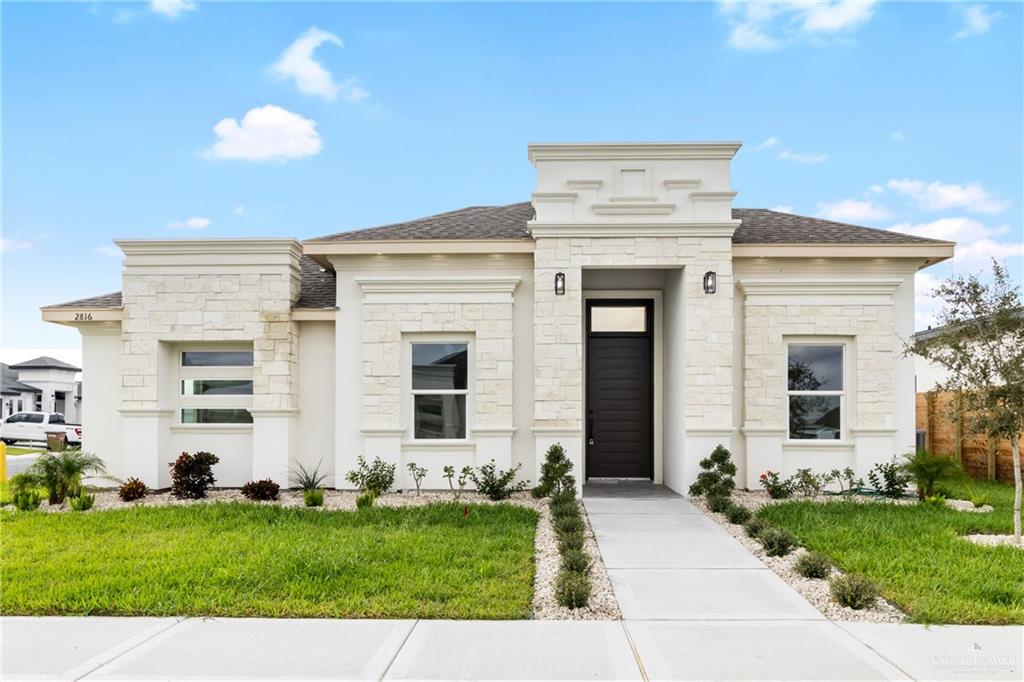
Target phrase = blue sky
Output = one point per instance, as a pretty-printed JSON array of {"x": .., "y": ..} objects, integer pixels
[{"x": 191, "y": 119}]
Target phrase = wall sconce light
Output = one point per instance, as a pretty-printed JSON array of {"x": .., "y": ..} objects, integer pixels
[
  {"x": 710, "y": 282},
  {"x": 559, "y": 284}
]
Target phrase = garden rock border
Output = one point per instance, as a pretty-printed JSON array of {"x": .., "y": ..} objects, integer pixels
[
  {"x": 816, "y": 591},
  {"x": 602, "y": 604},
  {"x": 992, "y": 540}
]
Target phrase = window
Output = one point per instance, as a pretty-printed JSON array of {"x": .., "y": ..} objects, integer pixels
[
  {"x": 440, "y": 374},
  {"x": 16, "y": 419},
  {"x": 622, "y": 318},
  {"x": 816, "y": 391},
  {"x": 215, "y": 387},
  {"x": 56, "y": 418},
  {"x": 33, "y": 418}
]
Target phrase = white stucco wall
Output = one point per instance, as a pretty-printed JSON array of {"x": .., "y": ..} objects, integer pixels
[
  {"x": 101, "y": 377},
  {"x": 315, "y": 420}
]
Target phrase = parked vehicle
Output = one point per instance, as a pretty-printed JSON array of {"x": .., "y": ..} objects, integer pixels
[{"x": 33, "y": 426}]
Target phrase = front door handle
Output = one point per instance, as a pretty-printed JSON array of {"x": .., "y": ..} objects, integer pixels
[{"x": 590, "y": 427}]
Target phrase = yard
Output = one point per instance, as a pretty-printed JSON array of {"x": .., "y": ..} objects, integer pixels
[
  {"x": 243, "y": 559},
  {"x": 914, "y": 554}
]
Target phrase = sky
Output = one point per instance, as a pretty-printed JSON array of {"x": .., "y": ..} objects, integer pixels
[{"x": 185, "y": 119}]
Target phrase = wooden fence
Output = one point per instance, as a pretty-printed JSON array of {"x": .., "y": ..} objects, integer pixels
[{"x": 982, "y": 457}]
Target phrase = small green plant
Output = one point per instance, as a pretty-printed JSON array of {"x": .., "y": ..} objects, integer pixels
[
  {"x": 807, "y": 483},
  {"x": 554, "y": 473},
  {"x": 813, "y": 565},
  {"x": 376, "y": 478},
  {"x": 756, "y": 526},
  {"x": 131, "y": 490},
  {"x": 853, "y": 591},
  {"x": 716, "y": 477},
  {"x": 417, "y": 473},
  {"x": 738, "y": 514},
  {"x": 366, "y": 500},
  {"x": 566, "y": 495},
  {"x": 61, "y": 472},
  {"x": 568, "y": 525},
  {"x": 776, "y": 541},
  {"x": 496, "y": 484},
  {"x": 719, "y": 503},
  {"x": 313, "y": 498},
  {"x": 192, "y": 475},
  {"x": 937, "y": 501},
  {"x": 572, "y": 589},
  {"x": 261, "y": 490},
  {"x": 577, "y": 561},
  {"x": 890, "y": 479},
  {"x": 776, "y": 488},
  {"x": 464, "y": 475},
  {"x": 571, "y": 541},
  {"x": 980, "y": 500},
  {"x": 83, "y": 502},
  {"x": 929, "y": 470},
  {"x": 309, "y": 479},
  {"x": 27, "y": 500},
  {"x": 846, "y": 480},
  {"x": 565, "y": 508}
]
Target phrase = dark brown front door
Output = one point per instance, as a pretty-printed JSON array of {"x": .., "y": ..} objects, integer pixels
[{"x": 619, "y": 418}]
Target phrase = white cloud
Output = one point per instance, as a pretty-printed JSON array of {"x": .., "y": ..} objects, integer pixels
[
  {"x": 172, "y": 9},
  {"x": 876, "y": 189},
  {"x": 267, "y": 133},
  {"x": 761, "y": 25},
  {"x": 802, "y": 157},
  {"x": 767, "y": 144},
  {"x": 310, "y": 76},
  {"x": 852, "y": 210},
  {"x": 976, "y": 243},
  {"x": 239, "y": 210},
  {"x": 782, "y": 209},
  {"x": 14, "y": 245},
  {"x": 197, "y": 223},
  {"x": 977, "y": 20},
  {"x": 938, "y": 196},
  {"x": 897, "y": 136},
  {"x": 112, "y": 251}
]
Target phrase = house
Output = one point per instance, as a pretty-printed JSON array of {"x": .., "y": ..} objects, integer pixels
[
  {"x": 627, "y": 311},
  {"x": 43, "y": 384}
]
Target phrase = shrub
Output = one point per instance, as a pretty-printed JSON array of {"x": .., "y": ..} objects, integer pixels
[
  {"x": 417, "y": 473},
  {"x": 572, "y": 589},
  {"x": 756, "y": 526},
  {"x": 497, "y": 484},
  {"x": 890, "y": 479},
  {"x": 938, "y": 501},
  {"x": 716, "y": 479},
  {"x": 853, "y": 591},
  {"x": 776, "y": 541},
  {"x": 776, "y": 488},
  {"x": 464, "y": 475},
  {"x": 261, "y": 490},
  {"x": 576, "y": 560},
  {"x": 83, "y": 502},
  {"x": 22, "y": 483},
  {"x": 567, "y": 508},
  {"x": 738, "y": 514},
  {"x": 309, "y": 479},
  {"x": 131, "y": 490},
  {"x": 554, "y": 473},
  {"x": 928, "y": 470},
  {"x": 376, "y": 478},
  {"x": 366, "y": 500},
  {"x": 313, "y": 498},
  {"x": 192, "y": 475},
  {"x": 27, "y": 500},
  {"x": 565, "y": 495},
  {"x": 807, "y": 483},
  {"x": 61, "y": 472},
  {"x": 568, "y": 525},
  {"x": 570, "y": 541},
  {"x": 813, "y": 565},
  {"x": 847, "y": 477},
  {"x": 719, "y": 503}
]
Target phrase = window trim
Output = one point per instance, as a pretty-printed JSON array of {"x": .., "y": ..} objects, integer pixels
[
  {"x": 409, "y": 418},
  {"x": 844, "y": 417},
  {"x": 186, "y": 373}
]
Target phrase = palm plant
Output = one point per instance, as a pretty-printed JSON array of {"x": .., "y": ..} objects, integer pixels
[
  {"x": 61, "y": 472},
  {"x": 929, "y": 470}
]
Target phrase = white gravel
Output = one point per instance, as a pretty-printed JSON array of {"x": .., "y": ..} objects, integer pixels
[
  {"x": 968, "y": 506},
  {"x": 813, "y": 590},
  {"x": 992, "y": 540},
  {"x": 602, "y": 606}
]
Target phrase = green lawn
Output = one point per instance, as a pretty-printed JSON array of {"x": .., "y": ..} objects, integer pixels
[
  {"x": 13, "y": 450},
  {"x": 251, "y": 560},
  {"x": 914, "y": 555}
]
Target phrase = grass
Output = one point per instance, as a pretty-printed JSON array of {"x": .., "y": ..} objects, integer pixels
[
  {"x": 14, "y": 450},
  {"x": 914, "y": 554},
  {"x": 242, "y": 559}
]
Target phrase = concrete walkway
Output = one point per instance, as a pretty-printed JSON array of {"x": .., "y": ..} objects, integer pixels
[{"x": 696, "y": 604}]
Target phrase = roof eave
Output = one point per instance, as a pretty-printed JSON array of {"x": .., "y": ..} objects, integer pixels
[
  {"x": 929, "y": 253},
  {"x": 319, "y": 250}
]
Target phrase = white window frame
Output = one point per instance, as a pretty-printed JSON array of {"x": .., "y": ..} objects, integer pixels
[
  {"x": 844, "y": 345},
  {"x": 410, "y": 401},
  {"x": 223, "y": 402}
]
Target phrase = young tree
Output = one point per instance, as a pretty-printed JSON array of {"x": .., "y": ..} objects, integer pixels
[{"x": 981, "y": 347}]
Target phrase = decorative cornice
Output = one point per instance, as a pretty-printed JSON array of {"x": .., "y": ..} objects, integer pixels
[
  {"x": 460, "y": 289},
  {"x": 584, "y": 184},
  {"x": 317, "y": 250},
  {"x": 928, "y": 253},
  {"x": 613, "y": 151},
  {"x": 553, "y": 197},
  {"x": 682, "y": 184},
  {"x": 626, "y": 207},
  {"x": 813, "y": 291},
  {"x": 712, "y": 196},
  {"x": 193, "y": 247},
  {"x": 635, "y": 229}
]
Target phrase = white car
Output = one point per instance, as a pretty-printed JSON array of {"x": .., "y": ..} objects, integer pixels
[{"x": 33, "y": 426}]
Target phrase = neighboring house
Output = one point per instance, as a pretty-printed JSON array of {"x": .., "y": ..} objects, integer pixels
[
  {"x": 627, "y": 312},
  {"x": 927, "y": 374},
  {"x": 43, "y": 384}
]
